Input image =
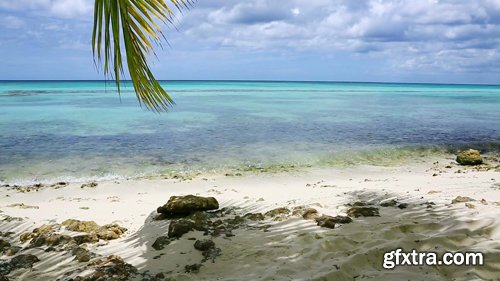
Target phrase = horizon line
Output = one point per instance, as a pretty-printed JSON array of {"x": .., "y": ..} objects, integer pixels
[{"x": 252, "y": 80}]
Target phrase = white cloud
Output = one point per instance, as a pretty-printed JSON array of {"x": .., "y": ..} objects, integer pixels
[
  {"x": 58, "y": 8},
  {"x": 13, "y": 22},
  {"x": 440, "y": 34}
]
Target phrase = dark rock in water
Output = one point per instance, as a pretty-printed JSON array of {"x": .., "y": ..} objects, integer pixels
[
  {"x": 4, "y": 245},
  {"x": 403, "y": 206},
  {"x": 390, "y": 203},
  {"x": 86, "y": 238},
  {"x": 192, "y": 268},
  {"x": 81, "y": 254},
  {"x": 469, "y": 157},
  {"x": 462, "y": 199},
  {"x": 204, "y": 245},
  {"x": 186, "y": 205},
  {"x": 23, "y": 261},
  {"x": 177, "y": 228},
  {"x": 363, "y": 212},
  {"x": 160, "y": 243},
  {"x": 3, "y": 278},
  {"x": 277, "y": 212},
  {"x": 254, "y": 216}
]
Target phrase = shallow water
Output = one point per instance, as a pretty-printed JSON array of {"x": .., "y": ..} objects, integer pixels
[{"x": 81, "y": 130}]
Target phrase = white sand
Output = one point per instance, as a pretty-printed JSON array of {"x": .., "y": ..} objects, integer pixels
[{"x": 294, "y": 249}]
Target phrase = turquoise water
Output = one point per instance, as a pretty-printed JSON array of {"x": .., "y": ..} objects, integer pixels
[{"x": 80, "y": 130}]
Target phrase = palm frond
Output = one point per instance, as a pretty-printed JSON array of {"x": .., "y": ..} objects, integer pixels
[{"x": 133, "y": 23}]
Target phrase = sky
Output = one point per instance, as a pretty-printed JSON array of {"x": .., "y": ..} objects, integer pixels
[{"x": 436, "y": 41}]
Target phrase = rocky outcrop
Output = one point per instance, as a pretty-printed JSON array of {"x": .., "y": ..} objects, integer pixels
[
  {"x": 469, "y": 157},
  {"x": 185, "y": 205},
  {"x": 362, "y": 211}
]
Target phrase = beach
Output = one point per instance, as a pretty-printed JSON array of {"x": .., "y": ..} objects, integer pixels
[{"x": 279, "y": 247}]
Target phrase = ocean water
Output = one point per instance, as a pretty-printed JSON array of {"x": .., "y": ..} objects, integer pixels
[{"x": 53, "y": 130}]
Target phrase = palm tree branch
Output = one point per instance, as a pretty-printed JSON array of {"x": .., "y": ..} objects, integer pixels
[{"x": 133, "y": 24}]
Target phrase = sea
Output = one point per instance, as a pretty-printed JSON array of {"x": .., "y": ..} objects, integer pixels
[{"x": 84, "y": 130}]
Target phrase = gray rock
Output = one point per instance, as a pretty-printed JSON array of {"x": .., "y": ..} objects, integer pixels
[
  {"x": 23, "y": 261},
  {"x": 186, "y": 205},
  {"x": 81, "y": 254},
  {"x": 4, "y": 245},
  {"x": 160, "y": 243},
  {"x": 177, "y": 228},
  {"x": 204, "y": 245},
  {"x": 469, "y": 157},
  {"x": 192, "y": 268}
]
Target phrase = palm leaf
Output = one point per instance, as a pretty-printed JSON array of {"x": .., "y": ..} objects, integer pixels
[{"x": 133, "y": 23}]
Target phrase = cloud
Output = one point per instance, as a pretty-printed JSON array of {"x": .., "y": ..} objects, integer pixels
[
  {"x": 13, "y": 22},
  {"x": 58, "y": 8},
  {"x": 423, "y": 34}
]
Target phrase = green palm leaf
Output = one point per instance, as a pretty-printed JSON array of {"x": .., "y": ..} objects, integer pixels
[{"x": 133, "y": 23}]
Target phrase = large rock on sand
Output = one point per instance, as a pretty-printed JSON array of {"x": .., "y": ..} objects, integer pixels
[
  {"x": 469, "y": 157},
  {"x": 186, "y": 205}
]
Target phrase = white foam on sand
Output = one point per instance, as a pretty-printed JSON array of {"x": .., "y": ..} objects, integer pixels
[{"x": 293, "y": 249}]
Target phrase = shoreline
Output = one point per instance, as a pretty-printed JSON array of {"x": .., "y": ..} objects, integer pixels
[
  {"x": 383, "y": 158},
  {"x": 284, "y": 248}
]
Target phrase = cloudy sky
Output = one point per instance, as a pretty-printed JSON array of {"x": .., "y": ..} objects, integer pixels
[{"x": 451, "y": 41}]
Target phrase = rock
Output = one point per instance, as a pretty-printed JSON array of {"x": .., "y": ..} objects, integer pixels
[
  {"x": 23, "y": 261},
  {"x": 484, "y": 202},
  {"x": 277, "y": 212},
  {"x": 310, "y": 214},
  {"x": 363, "y": 212},
  {"x": 326, "y": 221},
  {"x": 12, "y": 251},
  {"x": 110, "y": 268},
  {"x": 193, "y": 268},
  {"x": 186, "y": 205},
  {"x": 469, "y": 157},
  {"x": 81, "y": 254},
  {"x": 330, "y": 222},
  {"x": 358, "y": 204},
  {"x": 390, "y": 203},
  {"x": 177, "y": 228},
  {"x": 90, "y": 184},
  {"x": 254, "y": 216},
  {"x": 3, "y": 278},
  {"x": 4, "y": 245},
  {"x": 461, "y": 199},
  {"x": 106, "y": 232},
  {"x": 5, "y": 268},
  {"x": 80, "y": 226},
  {"x": 470, "y": 205},
  {"x": 201, "y": 220},
  {"x": 403, "y": 206},
  {"x": 160, "y": 243},
  {"x": 86, "y": 238},
  {"x": 204, "y": 245}
]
